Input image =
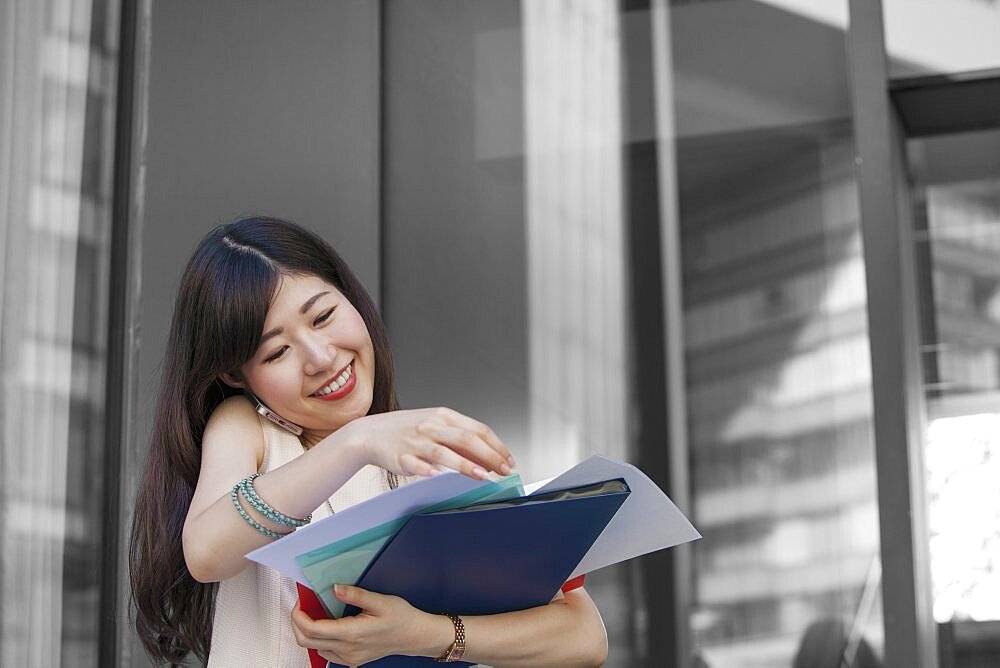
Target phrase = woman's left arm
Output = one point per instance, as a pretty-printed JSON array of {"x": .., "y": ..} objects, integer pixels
[{"x": 566, "y": 632}]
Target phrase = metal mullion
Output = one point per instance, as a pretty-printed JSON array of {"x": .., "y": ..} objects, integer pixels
[
  {"x": 910, "y": 634},
  {"x": 111, "y": 535},
  {"x": 657, "y": 361}
]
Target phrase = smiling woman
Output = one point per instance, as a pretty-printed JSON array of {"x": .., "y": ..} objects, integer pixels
[
  {"x": 278, "y": 394},
  {"x": 315, "y": 365}
]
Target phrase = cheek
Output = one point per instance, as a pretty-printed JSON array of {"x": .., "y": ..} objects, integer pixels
[
  {"x": 362, "y": 342},
  {"x": 275, "y": 385}
]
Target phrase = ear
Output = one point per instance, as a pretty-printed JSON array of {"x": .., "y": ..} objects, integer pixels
[{"x": 232, "y": 380}]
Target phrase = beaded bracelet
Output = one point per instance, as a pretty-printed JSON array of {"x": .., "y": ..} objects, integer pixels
[
  {"x": 249, "y": 520},
  {"x": 250, "y": 494}
]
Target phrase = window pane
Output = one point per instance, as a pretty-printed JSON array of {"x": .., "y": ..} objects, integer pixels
[
  {"x": 775, "y": 334},
  {"x": 515, "y": 135},
  {"x": 957, "y": 192},
  {"x": 504, "y": 233},
  {"x": 57, "y": 102}
]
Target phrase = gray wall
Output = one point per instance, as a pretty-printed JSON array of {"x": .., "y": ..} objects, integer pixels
[
  {"x": 455, "y": 272},
  {"x": 250, "y": 107}
]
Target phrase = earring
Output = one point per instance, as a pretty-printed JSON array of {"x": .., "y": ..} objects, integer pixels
[{"x": 274, "y": 417}]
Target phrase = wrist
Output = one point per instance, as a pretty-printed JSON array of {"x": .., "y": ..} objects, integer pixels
[
  {"x": 456, "y": 650},
  {"x": 354, "y": 444},
  {"x": 434, "y": 635}
]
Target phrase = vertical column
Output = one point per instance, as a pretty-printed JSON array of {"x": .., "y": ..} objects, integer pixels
[
  {"x": 676, "y": 612},
  {"x": 910, "y": 635},
  {"x": 575, "y": 231}
]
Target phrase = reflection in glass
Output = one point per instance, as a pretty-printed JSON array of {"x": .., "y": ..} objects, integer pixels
[
  {"x": 504, "y": 287},
  {"x": 57, "y": 101},
  {"x": 575, "y": 231},
  {"x": 516, "y": 277},
  {"x": 575, "y": 238},
  {"x": 775, "y": 331},
  {"x": 957, "y": 191}
]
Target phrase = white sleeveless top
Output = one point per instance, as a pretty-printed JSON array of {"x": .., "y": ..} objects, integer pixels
[{"x": 252, "y": 624}]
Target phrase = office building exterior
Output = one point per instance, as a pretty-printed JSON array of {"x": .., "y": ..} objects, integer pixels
[{"x": 750, "y": 246}]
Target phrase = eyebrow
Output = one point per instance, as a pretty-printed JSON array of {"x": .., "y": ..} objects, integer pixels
[{"x": 305, "y": 308}]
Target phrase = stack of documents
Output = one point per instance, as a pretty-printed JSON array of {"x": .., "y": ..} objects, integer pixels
[{"x": 449, "y": 543}]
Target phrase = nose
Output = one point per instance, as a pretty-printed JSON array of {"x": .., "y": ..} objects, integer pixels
[{"x": 319, "y": 356}]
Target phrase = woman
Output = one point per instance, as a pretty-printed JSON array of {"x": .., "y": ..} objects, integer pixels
[{"x": 278, "y": 405}]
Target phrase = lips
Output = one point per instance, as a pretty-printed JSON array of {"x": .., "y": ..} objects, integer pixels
[{"x": 338, "y": 392}]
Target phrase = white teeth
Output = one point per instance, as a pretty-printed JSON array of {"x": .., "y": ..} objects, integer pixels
[{"x": 337, "y": 383}]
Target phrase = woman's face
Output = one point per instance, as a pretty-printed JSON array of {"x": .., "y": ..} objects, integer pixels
[{"x": 315, "y": 364}]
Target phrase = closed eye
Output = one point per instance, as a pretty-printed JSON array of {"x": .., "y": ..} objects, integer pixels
[
  {"x": 277, "y": 354},
  {"x": 320, "y": 319}
]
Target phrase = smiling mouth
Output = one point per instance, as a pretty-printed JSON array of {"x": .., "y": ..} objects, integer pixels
[{"x": 336, "y": 383}]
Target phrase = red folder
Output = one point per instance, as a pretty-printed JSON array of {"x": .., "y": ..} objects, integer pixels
[{"x": 311, "y": 605}]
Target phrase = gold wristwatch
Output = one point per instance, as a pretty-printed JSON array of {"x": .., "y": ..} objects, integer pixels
[{"x": 457, "y": 649}]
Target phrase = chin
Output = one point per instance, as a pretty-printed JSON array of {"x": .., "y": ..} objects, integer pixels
[{"x": 344, "y": 419}]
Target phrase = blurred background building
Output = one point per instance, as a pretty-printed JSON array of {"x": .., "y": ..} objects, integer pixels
[{"x": 752, "y": 246}]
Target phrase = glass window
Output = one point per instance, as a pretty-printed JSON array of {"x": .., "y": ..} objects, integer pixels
[
  {"x": 504, "y": 284},
  {"x": 517, "y": 149},
  {"x": 57, "y": 103},
  {"x": 778, "y": 373},
  {"x": 957, "y": 215}
]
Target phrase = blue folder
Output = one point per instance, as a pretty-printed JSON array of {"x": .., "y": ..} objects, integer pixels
[{"x": 491, "y": 557}]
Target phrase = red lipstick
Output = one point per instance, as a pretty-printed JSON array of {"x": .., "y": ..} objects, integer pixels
[{"x": 343, "y": 391}]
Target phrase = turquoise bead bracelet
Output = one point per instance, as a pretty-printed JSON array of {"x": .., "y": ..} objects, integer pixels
[
  {"x": 249, "y": 520},
  {"x": 250, "y": 494}
]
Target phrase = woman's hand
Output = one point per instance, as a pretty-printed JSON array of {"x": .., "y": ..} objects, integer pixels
[
  {"x": 414, "y": 442},
  {"x": 386, "y": 625}
]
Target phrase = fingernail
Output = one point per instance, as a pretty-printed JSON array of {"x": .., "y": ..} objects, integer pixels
[
  {"x": 338, "y": 589},
  {"x": 506, "y": 469},
  {"x": 510, "y": 460},
  {"x": 479, "y": 472}
]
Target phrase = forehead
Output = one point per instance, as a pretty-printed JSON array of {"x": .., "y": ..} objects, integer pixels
[{"x": 295, "y": 290}]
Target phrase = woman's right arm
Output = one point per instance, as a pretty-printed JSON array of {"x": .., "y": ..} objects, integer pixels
[{"x": 216, "y": 537}]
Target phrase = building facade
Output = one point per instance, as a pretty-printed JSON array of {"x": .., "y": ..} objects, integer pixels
[{"x": 748, "y": 245}]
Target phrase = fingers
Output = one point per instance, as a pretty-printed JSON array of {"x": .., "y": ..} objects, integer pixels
[
  {"x": 483, "y": 432},
  {"x": 413, "y": 465},
  {"x": 415, "y": 442},
  {"x": 334, "y": 657},
  {"x": 307, "y": 630},
  {"x": 368, "y": 601},
  {"x": 322, "y": 633},
  {"x": 336, "y": 639},
  {"x": 354, "y": 640},
  {"x": 464, "y": 452},
  {"x": 474, "y": 447}
]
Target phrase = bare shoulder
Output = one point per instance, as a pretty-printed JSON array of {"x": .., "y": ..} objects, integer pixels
[
  {"x": 232, "y": 446},
  {"x": 233, "y": 424}
]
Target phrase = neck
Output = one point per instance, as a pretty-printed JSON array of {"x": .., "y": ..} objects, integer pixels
[{"x": 310, "y": 438}]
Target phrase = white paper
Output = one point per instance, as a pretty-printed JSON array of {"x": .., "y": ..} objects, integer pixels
[
  {"x": 406, "y": 500},
  {"x": 530, "y": 489},
  {"x": 646, "y": 522}
]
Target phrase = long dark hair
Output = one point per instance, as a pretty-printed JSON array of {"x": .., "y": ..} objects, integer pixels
[{"x": 222, "y": 302}]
